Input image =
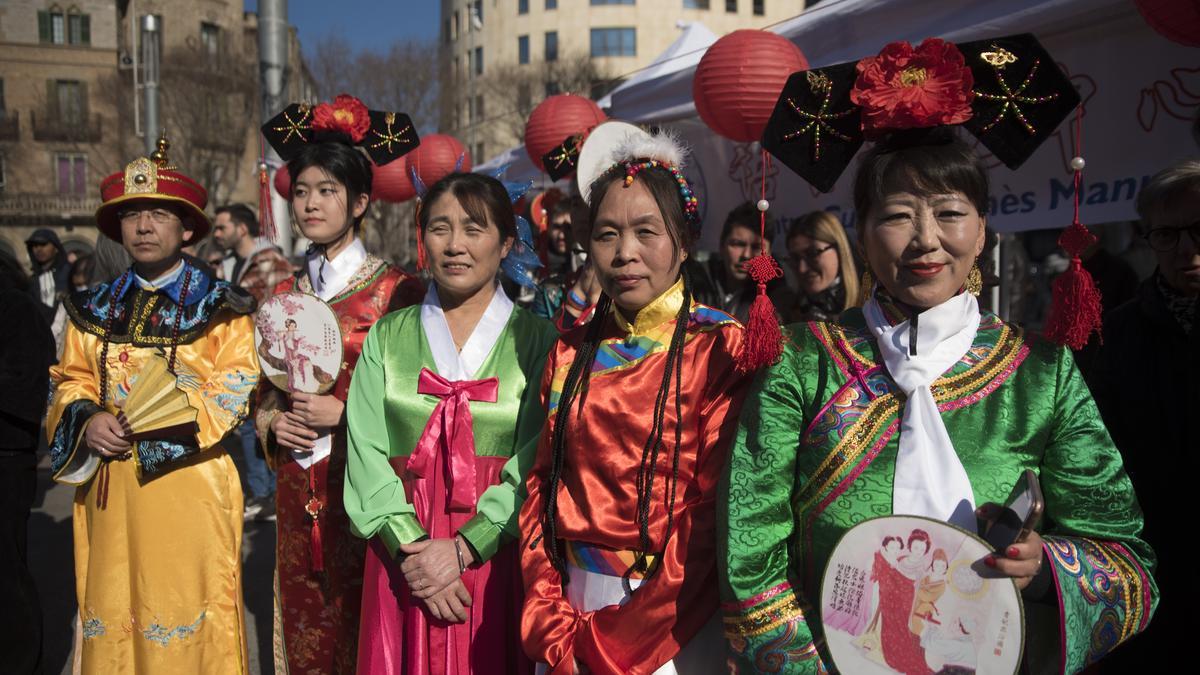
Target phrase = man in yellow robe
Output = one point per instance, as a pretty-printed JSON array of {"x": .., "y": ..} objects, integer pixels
[{"x": 158, "y": 511}]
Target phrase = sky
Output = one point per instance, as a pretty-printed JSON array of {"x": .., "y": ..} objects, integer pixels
[{"x": 367, "y": 24}]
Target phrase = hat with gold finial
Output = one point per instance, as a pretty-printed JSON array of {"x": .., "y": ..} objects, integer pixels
[{"x": 152, "y": 178}]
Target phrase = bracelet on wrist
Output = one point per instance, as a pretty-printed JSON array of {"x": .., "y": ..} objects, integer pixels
[{"x": 462, "y": 562}]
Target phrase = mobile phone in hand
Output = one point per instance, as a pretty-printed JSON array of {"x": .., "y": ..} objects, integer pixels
[{"x": 1020, "y": 513}]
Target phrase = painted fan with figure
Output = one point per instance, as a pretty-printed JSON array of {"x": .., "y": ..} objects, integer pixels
[{"x": 156, "y": 406}]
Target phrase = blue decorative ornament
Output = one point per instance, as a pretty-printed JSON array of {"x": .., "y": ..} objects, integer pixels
[{"x": 522, "y": 258}]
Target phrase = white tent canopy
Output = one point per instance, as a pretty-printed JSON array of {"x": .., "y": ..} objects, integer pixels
[
  {"x": 683, "y": 54},
  {"x": 1140, "y": 95},
  {"x": 520, "y": 168},
  {"x": 843, "y": 30}
]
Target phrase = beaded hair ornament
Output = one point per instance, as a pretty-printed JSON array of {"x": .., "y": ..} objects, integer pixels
[{"x": 660, "y": 150}]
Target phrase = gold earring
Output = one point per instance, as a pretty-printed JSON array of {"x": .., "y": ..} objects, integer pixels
[
  {"x": 975, "y": 280},
  {"x": 865, "y": 282}
]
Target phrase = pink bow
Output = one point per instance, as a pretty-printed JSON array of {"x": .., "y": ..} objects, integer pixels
[{"x": 450, "y": 424}]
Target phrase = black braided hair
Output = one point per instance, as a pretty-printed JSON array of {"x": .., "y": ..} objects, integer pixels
[
  {"x": 654, "y": 443},
  {"x": 583, "y": 359}
]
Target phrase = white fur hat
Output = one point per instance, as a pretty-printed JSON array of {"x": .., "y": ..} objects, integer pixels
[{"x": 614, "y": 142}]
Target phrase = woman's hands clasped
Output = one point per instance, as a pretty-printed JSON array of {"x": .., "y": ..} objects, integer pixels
[
  {"x": 432, "y": 572},
  {"x": 295, "y": 429}
]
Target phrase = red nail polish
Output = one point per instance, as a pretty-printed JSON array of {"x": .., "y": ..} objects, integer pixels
[
  {"x": 1013, "y": 552},
  {"x": 990, "y": 561}
]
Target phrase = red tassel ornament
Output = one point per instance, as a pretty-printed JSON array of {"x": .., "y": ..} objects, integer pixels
[
  {"x": 1075, "y": 309},
  {"x": 266, "y": 215},
  {"x": 313, "y": 507},
  {"x": 1075, "y": 305},
  {"x": 763, "y": 343}
]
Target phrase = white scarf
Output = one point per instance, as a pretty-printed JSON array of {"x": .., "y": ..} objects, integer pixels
[
  {"x": 452, "y": 364},
  {"x": 930, "y": 479}
]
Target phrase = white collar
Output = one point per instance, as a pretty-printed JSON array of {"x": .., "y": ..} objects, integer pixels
[
  {"x": 329, "y": 277},
  {"x": 161, "y": 282},
  {"x": 451, "y": 363}
]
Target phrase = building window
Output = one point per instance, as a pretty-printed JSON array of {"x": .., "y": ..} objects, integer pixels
[
  {"x": 614, "y": 42},
  {"x": 612, "y": 2},
  {"x": 478, "y": 11},
  {"x": 551, "y": 4},
  {"x": 210, "y": 40},
  {"x": 479, "y": 60},
  {"x": 71, "y": 171},
  {"x": 551, "y": 45},
  {"x": 479, "y": 108},
  {"x": 57, "y": 27},
  {"x": 731, "y": 6},
  {"x": 760, "y": 7},
  {"x": 522, "y": 49},
  {"x": 51, "y": 26},
  {"x": 552, "y": 89},
  {"x": 68, "y": 101},
  {"x": 522, "y": 6},
  {"x": 457, "y": 68},
  {"x": 3, "y": 171},
  {"x": 695, "y": 4},
  {"x": 79, "y": 28},
  {"x": 454, "y": 26},
  {"x": 479, "y": 156},
  {"x": 3, "y": 109}
]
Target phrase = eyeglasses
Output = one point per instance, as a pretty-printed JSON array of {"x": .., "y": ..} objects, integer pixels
[
  {"x": 811, "y": 256},
  {"x": 158, "y": 216},
  {"x": 1164, "y": 239}
]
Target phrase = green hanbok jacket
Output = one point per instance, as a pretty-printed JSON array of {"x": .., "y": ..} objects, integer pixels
[{"x": 815, "y": 455}]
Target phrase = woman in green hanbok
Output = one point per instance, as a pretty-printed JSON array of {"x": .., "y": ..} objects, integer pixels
[
  {"x": 920, "y": 403},
  {"x": 444, "y": 416}
]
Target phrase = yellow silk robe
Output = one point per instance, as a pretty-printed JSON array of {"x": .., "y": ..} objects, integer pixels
[{"x": 157, "y": 537}]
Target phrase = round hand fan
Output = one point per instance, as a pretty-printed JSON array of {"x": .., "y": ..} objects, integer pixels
[
  {"x": 299, "y": 342},
  {"x": 906, "y": 594}
]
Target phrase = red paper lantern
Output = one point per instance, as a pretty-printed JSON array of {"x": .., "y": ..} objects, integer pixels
[
  {"x": 283, "y": 182},
  {"x": 557, "y": 118},
  {"x": 437, "y": 156},
  {"x": 1176, "y": 20},
  {"x": 739, "y": 79},
  {"x": 390, "y": 182}
]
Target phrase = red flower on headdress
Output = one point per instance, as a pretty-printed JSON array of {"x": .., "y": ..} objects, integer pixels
[
  {"x": 346, "y": 114},
  {"x": 906, "y": 88}
]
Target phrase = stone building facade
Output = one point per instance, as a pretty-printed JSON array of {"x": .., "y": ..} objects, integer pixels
[
  {"x": 71, "y": 105},
  {"x": 496, "y": 68}
]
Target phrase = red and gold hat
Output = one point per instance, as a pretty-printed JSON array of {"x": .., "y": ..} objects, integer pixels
[{"x": 152, "y": 178}]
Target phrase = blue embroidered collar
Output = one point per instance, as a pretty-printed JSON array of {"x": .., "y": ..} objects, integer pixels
[{"x": 170, "y": 284}]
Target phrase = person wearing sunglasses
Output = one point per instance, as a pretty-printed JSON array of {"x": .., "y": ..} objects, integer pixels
[{"x": 1149, "y": 365}]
